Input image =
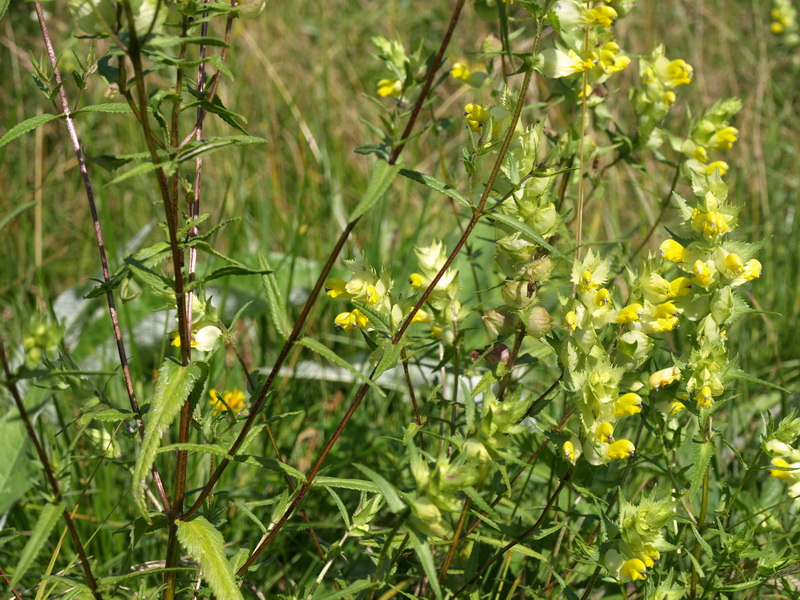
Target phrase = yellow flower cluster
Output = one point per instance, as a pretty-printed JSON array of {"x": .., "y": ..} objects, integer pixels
[{"x": 233, "y": 401}]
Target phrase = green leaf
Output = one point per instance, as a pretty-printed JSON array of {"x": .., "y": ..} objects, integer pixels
[
  {"x": 18, "y": 469},
  {"x": 14, "y": 212},
  {"x": 389, "y": 357},
  {"x": 436, "y": 185},
  {"x": 326, "y": 352},
  {"x": 423, "y": 550},
  {"x": 349, "y": 592},
  {"x": 173, "y": 387},
  {"x": 227, "y": 271},
  {"x": 272, "y": 465},
  {"x": 526, "y": 231},
  {"x": 44, "y": 525},
  {"x": 206, "y": 545},
  {"x": 194, "y": 149},
  {"x": 4, "y": 7},
  {"x": 390, "y": 493},
  {"x": 739, "y": 374},
  {"x": 26, "y": 126},
  {"x": 108, "y": 107},
  {"x": 275, "y": 302},
  {"x": 348, "y": 484},
  {"x": 382, "y": 176},
  {"x": 703, "y": 452},
  {"x": 190, "y": 447},
  {"x": 168, "y": 167}
]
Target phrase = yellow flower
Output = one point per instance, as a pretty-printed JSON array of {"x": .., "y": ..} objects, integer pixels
[
  {"x": 416, "y": 280},
  {"x": 571, "y": 321},
  {"x": 587, "y": 283},
  {"x": 669, "y": 98},
  {"x": 752, "y": 270},
  {"x": 610, "y": 59},
  {"x": 702, "y": 273},
  {"x": 556, "y": 63},
  {"x": 568, "y": 451},
  {"x": 787, "y": 475},
  {"x": 675, "y": 407},
  {"x": 421, "y": 317},
  {"x": 351, "y": 320},
  {"x": 604, "y": 16},
  {"x": 336, "y": 287},
  {"x": 734, "y": 264},
  {"x": 621, "y": 449},
  {"x": 724, "y": 139},
  {"x": 461, "y": 71},
  {"x": 230, "y": 400},
  {"x": 700, "y": 154},
  {"x": 679, "y": 287},
  {"x": 664, "y": 377},
  {"x": 632, "y": 312},
  {"x": 604, "y": 432},
  {"x": 476, "y": 116},
  {"x": 602, "y": 298},
  {"x": 679, "y": 72},
  {"x": 627, "y": 405},
  {"x": 717, "y": 164},
  {"x": 372, "y": 295},
  {"x": 634, "y": 569},
  {"x": 650, "y": 555},
  {"x": 390, "y": 87},
  {"x": 672, "y": 251},
  {"x": 703, "y": 397}
]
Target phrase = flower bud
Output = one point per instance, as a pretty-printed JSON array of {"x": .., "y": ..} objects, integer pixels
[
  {"x": 518, "y": 294},
  {"x": 538, "y": 322}
]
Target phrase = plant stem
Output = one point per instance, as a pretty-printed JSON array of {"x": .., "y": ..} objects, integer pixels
[{"x": 55, "y": 488}]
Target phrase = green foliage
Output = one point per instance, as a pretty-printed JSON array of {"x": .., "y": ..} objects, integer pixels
[{"x": 206, "y": 545}]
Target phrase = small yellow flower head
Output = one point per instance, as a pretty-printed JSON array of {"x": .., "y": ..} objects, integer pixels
[
  {"x": 603, "y": 16},
  {"x": 702, "y": 273},
  {"x": 230, "y": 400},
  {"x": 752, "y": 270},
  {"x": 672, "y": 251},
  {"x": 571, "y": 321},
  {"x": 734, "y": 264},
  {"x": 679, "y": 72},
  {"x": 421, "y": 317},
  {"x": 669, "y": 98},
  {"x": 712, "y": 223},
  {"x": 724, "y": 139},
  {"x": 717, "y": 164},
  {"x": 634, "y": 569},
  {"x": 679, "y": 287},
  {"x": 780, "y": 473},
  {"x": 337, "y": 287},
  {"x": 675, "y": 407},
  {"x": 351, "y": 320},
  {"x": 668, "y": 309},
  {"x": 602, "y": 298},
  {"x": 627, "y": 405},
  {"x": 461, "y": 71},
  {"x": 587, "y": 283},
  {"x": 664, "y": 377},
  {"x": 390, "y": 87},
  {"x": 568, "y": 451},
  {"x": 416, "y": 280},
  {"x": 621, "y": 449},
  {"x": 373, "y": 297},
  {"x": 476, "y": 116},
  {"x": 604, "y": 433},
  {"x": 611, "y": 60},
  {"x": 632, "y": 312},
  {"x": 700, "y": 154},
  {"x": 703, "y": 397}
]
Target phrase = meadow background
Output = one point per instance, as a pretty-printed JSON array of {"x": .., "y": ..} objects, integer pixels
[{"x": 301, "y": 70}]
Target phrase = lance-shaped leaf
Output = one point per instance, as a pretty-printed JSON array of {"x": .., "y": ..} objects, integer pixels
[
  {"x": 382, "y": 176},
  {"x": 173, "y": 387},
  {"x": 44, "y": 525},
  {"x": 206, "y": 545}
]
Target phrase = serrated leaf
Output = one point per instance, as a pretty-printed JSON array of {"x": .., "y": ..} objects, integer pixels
[
  {"x": 168, "y": 167},
  {"x": 382, "y": 176},
  {"x": 389, "y": 357},
  {"x": 376, "y": 318},
  {"x": 703, "y": 452},
  {"x": 326, "y": 352},
  {"x": 173, "y": 387},
  {"x": 425, "y": 556},
  {"x": 26, "y": 126},
  {"x": 206, "y": 545},
  {"x": 275, "y": 302},
  {"x": 108, "y": 107},
  {"x": 273, "y": 465},
  {"x": 436, "y": 185},
  {"x": 227, "y": 271},
  {"x": 191, "y": 447},
  {"x": 389, "y": 492},
  {"x": 41, "y": 531},
  {"x": 739, "y": 374},
  {"x": 526, "y": 231},
  {"x": 205, "y": 146}
]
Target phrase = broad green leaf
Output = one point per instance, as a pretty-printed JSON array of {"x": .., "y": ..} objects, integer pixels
[
  {"x": 44, "y": 525},
  {"x": 275, "y": 302},
  {"x": 703, "y": 452},
  {"x": 390, "y": 493},
  {"x": 525, "y": 230},
  {"x": 108, "y": 107},
  {"x": 326, "y": 352},
  {"x": 436, "y": 185},
  {"x": 18, "y": 469},
  {"x": 425, "y": 556},
  {"x": 173, "y": 387},
  {"x": 382, "y": 176},
  {"x": 206, "y": 545},
  {"x": 26, "y": 126}
]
